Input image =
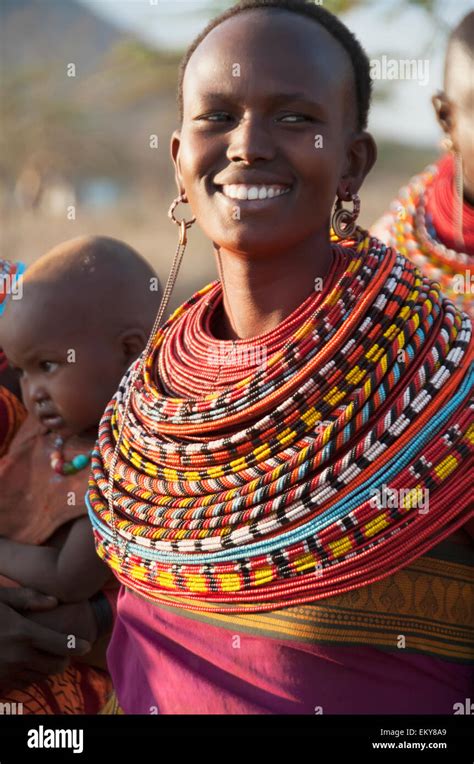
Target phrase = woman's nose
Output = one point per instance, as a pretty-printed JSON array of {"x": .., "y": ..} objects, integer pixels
[{"x": 250, "y": 141}]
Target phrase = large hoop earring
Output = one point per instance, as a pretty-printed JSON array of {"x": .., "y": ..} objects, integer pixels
[
  {"x": 184, "y": 224},
  {"x": 343, "y": 222}
]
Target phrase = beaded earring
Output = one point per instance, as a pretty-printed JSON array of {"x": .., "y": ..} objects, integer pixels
[
  {"x": 343, "y": 222},
  {"x": 459, "y": 196},
  {"x": 447, "y": 143}
]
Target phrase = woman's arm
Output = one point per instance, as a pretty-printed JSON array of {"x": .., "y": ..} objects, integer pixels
[{"x": 72, "y": 573}]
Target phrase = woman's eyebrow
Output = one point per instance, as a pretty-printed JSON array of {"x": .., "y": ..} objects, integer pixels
[
  {"x": 273, "y": 99},
  {"x": 279, "y": 97}
]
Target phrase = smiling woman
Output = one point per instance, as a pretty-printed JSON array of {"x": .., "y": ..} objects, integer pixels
[{"x": 236, "y": 500}]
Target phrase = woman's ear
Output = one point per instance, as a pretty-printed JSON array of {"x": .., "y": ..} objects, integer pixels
[
  {"x": 443, "y": 110},
  {"x": 361, "y": 157},
  {"x": 444, "y": 114},
  {"x": 175, "y": 144}
]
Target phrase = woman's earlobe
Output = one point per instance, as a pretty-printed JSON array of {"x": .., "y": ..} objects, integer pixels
[
  {"x": 174, "y": 147},
  {"x": 442, "y": 109},
  {"x": 363, "y": 155},
  {"x": 344, "y": 191},
  {"x": 175, "y": 143},
  {"x": 371, "y": 152}
]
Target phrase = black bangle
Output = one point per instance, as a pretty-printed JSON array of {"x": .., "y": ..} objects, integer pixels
[{"x": 103, "y": 613}]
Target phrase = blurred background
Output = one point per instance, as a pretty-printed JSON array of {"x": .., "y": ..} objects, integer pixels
[{"x": 86, "y": 84}]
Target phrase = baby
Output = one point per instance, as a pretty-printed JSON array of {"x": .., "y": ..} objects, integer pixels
[{"x": 85, "y": 314}]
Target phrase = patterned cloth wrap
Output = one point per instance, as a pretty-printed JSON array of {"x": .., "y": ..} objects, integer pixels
[
  {"x": 32, "y": 510},
  {"x": 262, "y": 493},
  {"x": 3, "y": 361},
  {"x": 12, "y": 415}
]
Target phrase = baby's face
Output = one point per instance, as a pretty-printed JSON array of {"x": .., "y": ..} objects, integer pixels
[{"x": 66, "y": 379}]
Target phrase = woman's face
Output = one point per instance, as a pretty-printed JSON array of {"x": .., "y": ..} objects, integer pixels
[
  {"x": 269, "y": 111},
  {"x": 455, "y": 109}
]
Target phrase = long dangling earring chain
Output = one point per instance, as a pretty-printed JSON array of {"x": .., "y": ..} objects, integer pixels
[
  {"x": 177, "y": 259},
  {"x": 459, "y": 195}
]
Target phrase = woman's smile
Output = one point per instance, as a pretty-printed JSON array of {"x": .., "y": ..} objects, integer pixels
[
  {"x": 251, "y": 190},
  {"x": 253, "y": 197}
]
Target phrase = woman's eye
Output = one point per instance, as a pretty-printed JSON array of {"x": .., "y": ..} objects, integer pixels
[
  {"x": 215, "y": 116},
  {"x": 296, "y": 117},
  {"x": 48, "y": 366}
]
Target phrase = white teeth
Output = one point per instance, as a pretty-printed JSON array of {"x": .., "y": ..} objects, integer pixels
[{"x": 241, "y": 191}]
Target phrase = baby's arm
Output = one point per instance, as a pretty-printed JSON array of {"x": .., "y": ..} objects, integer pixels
[{"x": 72, "y": 573}]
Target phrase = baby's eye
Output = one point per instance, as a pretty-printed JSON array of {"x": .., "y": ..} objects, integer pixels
[
  {"x": 19, "y": 372},
  {"x": 48, "y": 366}
]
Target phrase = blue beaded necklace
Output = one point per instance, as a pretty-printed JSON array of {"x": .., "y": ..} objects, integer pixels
[{"x": 62, "y": 467}]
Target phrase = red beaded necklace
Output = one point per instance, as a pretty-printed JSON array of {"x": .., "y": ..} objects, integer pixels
[
  {"x": 236, "y": 496},
  {"x": 193, "y": 362}
]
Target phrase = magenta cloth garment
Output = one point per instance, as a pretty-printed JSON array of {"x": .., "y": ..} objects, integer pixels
[{"x": 162, "y": 662}]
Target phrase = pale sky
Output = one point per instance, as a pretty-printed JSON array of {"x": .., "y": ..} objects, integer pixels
[{"x": 381, "y": 28}]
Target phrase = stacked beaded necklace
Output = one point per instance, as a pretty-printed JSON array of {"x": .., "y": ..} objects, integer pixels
[
  {"x": 411, "y": 227},
  {"x": 255, "y": 487}
]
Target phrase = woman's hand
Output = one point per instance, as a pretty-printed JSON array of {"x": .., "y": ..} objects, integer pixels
[
  {"x": 29, "y": 651},
  {"x": 74, "y": 619}
]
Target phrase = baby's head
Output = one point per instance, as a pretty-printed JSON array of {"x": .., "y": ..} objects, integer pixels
[{"x": 86, "y": 311}]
